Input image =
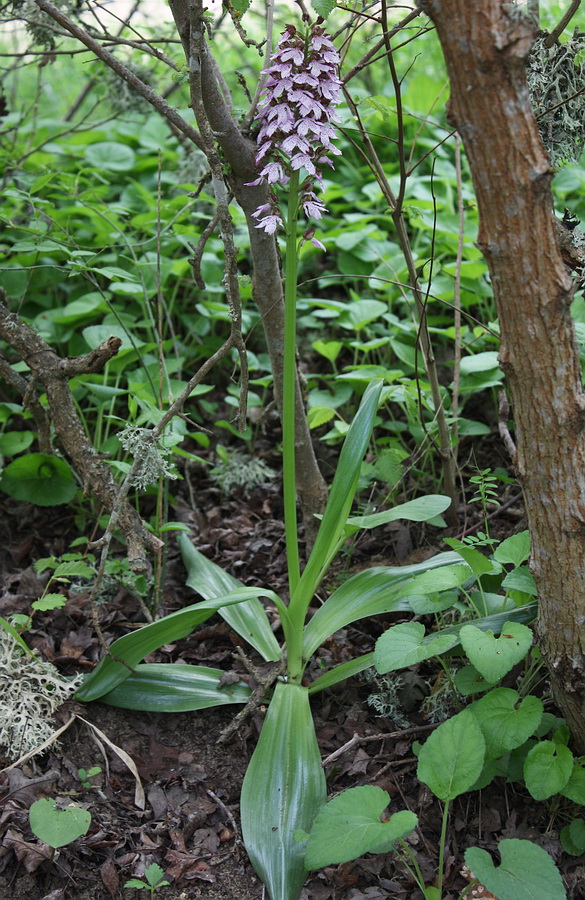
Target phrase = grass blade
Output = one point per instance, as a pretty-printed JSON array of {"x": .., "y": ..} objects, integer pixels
[
  {"x": 135, "y": 646},
  {"x": 170, "y": 687},
  {"x": 248, "y": 619}
]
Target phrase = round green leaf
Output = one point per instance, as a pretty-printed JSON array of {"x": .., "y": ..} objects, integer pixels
[
  {"x": 13, "y": 442},
  {"x": 575, "y": 787},
  {"x": 110, "y": 155},
  {"x": 573, "y": 837},
  {"x": 403, "y": 645},
  {"x": 547, "y": 769},
  {"x": 505, "y": 721},
  {"x": 469, "y": 681},
  {"x": 40, "y": 479},
  {"x": 351, "y": 825},
  {"x": 452, "y": 758},
  {"x": 57, "y": 827},
  {"x": 527, "y": 872},
  {"x": 494, "y": 657}
]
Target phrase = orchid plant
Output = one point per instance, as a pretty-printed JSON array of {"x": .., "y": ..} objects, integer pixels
[{"x": 284, "y": 786}]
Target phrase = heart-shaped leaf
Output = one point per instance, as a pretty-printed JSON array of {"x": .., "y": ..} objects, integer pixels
[
  {"x": 494, "y": 657},
  {"x": 57, "y": 827},
  {"x": 452, "y": 758},
  {"x": 506, "y": 721},
  {"x": 405, "y": 645},
  {"x": 527, "y": 872},
  {"x": 351, "y": 825},
  {"x": 547, "y": 769}
]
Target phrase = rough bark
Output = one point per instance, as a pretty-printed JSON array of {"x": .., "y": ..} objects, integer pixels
[{"x": 485, "y": 45}]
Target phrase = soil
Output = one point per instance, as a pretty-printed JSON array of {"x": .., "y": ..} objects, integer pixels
[{"x": 189, "y": 821}]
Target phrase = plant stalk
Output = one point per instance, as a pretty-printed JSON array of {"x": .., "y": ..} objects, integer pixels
[{"x": 288, "y": 395}]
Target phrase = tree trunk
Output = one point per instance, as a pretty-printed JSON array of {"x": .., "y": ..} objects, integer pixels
[{"x": 485, "y": 44}]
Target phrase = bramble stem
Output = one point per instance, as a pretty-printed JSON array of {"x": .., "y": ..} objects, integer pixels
[{"x": 289, "y": 386}]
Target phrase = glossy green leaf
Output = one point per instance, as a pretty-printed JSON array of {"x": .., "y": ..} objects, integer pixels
[
  {"x": 57, "y": 827},
  {"x": 506, "y": 721},
  {"x": 170, "y": 687},
  {"x": 573, "y": 837},
  {"x": 405, "y": 645},
  {"x": 514, "y": 550},
  {"x": 248, "y": 619},
  {"x": 39, "y": 478},
  {"x": 283, "y": 790},
  {"x": 369, "y": 593},
  {"x": 342, "y": 672},
  {"x": 547, "y": 769},
  {"x": 135, "y": 646},
  {"x": 420, "y": 510},
  {"x": 451, "y": 759},
  {"x": 526, "y": 872},
  {"x": 495, "y": 657},
  {"x": 352, "y": 824},
  {"x": 575, "y": 786},
  {"x": 341, "y": 493}
]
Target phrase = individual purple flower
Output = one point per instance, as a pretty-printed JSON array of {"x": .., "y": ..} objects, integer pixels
[{"x": 297, "y": 115}]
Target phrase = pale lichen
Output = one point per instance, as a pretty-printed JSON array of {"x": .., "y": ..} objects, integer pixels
[{"x": 31, "y": 692}]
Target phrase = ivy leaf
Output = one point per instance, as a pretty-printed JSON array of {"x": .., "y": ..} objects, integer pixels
[
  {"x": 527, "y": 872},
  {"x": 352, "y": 824},
  {"x": 494, "y": 657},
  {"x": 405, "y": 645}
]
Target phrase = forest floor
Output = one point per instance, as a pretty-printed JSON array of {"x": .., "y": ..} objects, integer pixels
[{"x": 190, "y": 821}]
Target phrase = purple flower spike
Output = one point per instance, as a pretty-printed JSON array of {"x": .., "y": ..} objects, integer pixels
[{"x": 297, "y": 112}]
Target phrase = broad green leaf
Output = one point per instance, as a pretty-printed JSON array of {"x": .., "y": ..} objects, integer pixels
[
  {"x": 323, "y": 7},
  {"x": 451, "y": 759},
  {"x": 514, "y": 550},
  {"x": 573, "y": 837},
  {"x": 520, "y": 579},
  {"x": 39, "y": 478},
  {"x": 351, "y": 825},
  {"x": 404, "y": 645},
  {"x": 57, "y": 827},
  {"x": 575, "y": 786},
  {"x": 479, "y": 362},
  {"x": 135, "y": 646},
  {"x": 49, "y": 601},
  {"x": 477, "y": 562},
  {"x": 248, "y": 619},
  {"x": 442, "y": 579},
  {"x": 429, "y": 604},
  {"x": 283, "y": 790},
  {"x": 342, "y": 672},
  {"x": 495, "y": 622},
  {"x": 14, "y": 442},
  {"x": 369, "y": 593},
  {"x": 110, "y": 155},
  {"x": 495, "y": 657},
  {"x": 341, "y": 494},
  {"x": 420, "y": 510},
  {"x": 526, "y": 872},
  {"x": 547, "y": 769},
  {"x": 170, "y": 687},
  {"x": 506, "y": 721},
  {"x": 74, "y": 569},
  {"x": 469, "y": 681},
  {"x": 365, "y": 594}
]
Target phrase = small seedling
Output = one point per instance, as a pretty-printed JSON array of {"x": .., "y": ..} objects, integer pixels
[
  {"x": 85, "y": 774},
  {"x": 154, "y": 880}
]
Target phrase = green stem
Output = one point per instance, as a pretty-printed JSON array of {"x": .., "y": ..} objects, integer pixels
[
  {"x": 289, "y": 386},
  {"x": 442, "y": 848}
]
